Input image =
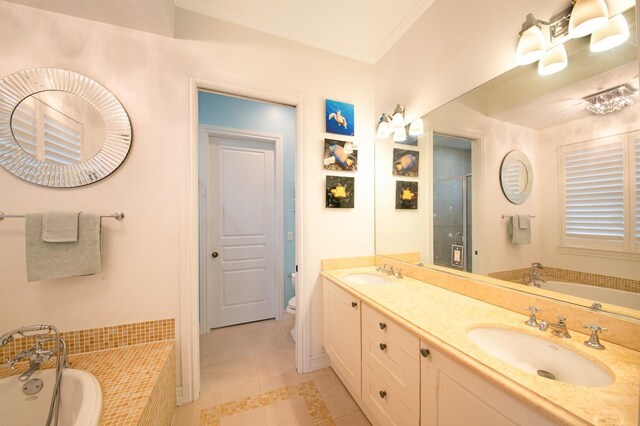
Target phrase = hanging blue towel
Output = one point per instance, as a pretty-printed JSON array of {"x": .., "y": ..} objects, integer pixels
[{"x": 48, "y": 261}]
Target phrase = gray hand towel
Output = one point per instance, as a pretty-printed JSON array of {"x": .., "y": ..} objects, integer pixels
[
  {"x": 60, "y": 227},
  {"x": 517, "y": 232},
  {"x": 48, "y": 261}
]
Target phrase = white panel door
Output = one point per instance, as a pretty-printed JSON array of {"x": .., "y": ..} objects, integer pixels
[{"x": 241, "y": 227}]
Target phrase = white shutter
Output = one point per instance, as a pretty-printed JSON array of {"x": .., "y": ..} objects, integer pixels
[
  {"x": 62, "y": 142},
  {"x": 593, "y": 176},
  {"x": 24, "y": 127}
]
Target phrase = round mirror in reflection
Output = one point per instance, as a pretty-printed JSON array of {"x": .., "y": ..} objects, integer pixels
[
  {"x": 61, "y": 129},
  {"x": 58, "y": 128},
  {"x": 516, "y": 177}
]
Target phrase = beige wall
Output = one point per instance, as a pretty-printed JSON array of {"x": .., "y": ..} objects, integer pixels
[
  {"x": 142, "y": 255},
  {"x": 456, "y": 46}
]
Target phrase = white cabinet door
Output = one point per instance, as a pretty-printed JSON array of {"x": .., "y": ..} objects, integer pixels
[
  {"x": 452, "y": 395},
  {"x": 341, "y": 334}
]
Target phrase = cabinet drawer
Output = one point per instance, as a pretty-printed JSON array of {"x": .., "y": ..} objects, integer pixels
[
  {"x": 399, "y": 371},
  {"x": 386, "y": 407},
  {"x": 393, "y": 332}
]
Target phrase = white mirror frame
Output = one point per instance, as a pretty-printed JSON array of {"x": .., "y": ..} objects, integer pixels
[
  {"x": 22, "y": 84},
  {"x": 515, "y": 196}
]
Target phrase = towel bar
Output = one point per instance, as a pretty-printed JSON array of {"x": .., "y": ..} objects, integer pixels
[
  {"x": 505, "y": 216},
  {"x": 116, "y": 215}
]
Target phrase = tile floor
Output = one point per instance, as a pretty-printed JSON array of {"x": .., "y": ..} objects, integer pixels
[{"x": 250, "y": 362}]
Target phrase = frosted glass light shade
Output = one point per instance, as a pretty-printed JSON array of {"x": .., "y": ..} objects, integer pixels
[
  {"x": 612, "y": 34},
  {"x": 398, "y": 117},
  {"x": 553, "y": 61},
  {"x": 400, "y": 135},
  {"x": 586, "y": 17},
  {"x": 416, "y": 128},
  {"x": 531, "y": 46},
  {"x": 384, "y": 130}
]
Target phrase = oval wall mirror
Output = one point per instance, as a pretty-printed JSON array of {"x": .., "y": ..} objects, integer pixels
[
  {"x": 516, "y": 177},
  {"x": 59, "y": 128}
]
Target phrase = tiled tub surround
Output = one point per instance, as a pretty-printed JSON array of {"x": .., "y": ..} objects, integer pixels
[
  {"x": 558, "y": 274},
  {"x": 138, "y": 381},
  {"x": 441, "y": 317},
  {"x": 98, "y": 339}
]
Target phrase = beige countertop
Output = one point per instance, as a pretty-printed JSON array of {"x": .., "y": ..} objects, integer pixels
[{"x": 441, "y": 318}]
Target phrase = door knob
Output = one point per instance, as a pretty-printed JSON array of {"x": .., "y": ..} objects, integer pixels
[{"x": 214, "y": 254}]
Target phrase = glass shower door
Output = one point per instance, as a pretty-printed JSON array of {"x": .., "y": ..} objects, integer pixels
[{"x": 452, "y": 222}]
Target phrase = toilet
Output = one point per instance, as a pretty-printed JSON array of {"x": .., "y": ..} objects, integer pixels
[{"x": 291, "y": 305}]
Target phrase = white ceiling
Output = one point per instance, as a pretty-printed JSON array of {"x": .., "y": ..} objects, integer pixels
[
  {"x": 359, "y": 29},
  {"x": 154, "y": 16}
]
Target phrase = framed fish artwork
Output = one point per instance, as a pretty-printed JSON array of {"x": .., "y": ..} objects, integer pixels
[
  {"x": 406, "y": 195},
  {"x": 339, "y": 118},
  {"x": 340, "y": 192},
  {"x": 340, "y": 155},
  {"x": 405, "y": 162}
]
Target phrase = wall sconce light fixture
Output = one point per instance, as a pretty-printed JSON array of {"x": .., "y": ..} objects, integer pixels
[
  {"x": 395, "y": 125},
  {"x": 584, "y": 17}
]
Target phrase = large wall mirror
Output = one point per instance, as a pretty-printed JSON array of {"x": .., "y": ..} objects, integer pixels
[
  {"x": 460, "y": 200},
  {"x": 59, "y": 128}
]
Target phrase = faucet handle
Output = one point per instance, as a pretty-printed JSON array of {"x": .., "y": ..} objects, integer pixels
[
  {"x": 532, "y": 321},
  {"x": 593, "y": 341},
  {"x": 9, "y": 363},
  {"x": 594, "y": 327},
  {"x": 561, "y": 319},
  {"x": 399, "y": 273}
]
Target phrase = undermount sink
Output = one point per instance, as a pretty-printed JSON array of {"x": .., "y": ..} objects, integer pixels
[
  {"x": 365, "y": 278},
  {"x": 539, "y": 356}
]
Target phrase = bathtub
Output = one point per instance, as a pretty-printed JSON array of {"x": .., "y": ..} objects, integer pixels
[
  {"x": 80, "y": 399},
  {"x": 596, "y": 294}
]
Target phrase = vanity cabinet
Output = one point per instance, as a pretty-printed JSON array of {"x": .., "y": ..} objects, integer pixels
[
  {"x": 453, "y": 395},
  {"x": 397, "y": 379},
  {"x": 390, "y": 370},
  {"x": 341, "y": 334}
]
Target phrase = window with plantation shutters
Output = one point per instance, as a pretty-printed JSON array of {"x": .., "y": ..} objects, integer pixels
[{"x": 600, "y": 187}]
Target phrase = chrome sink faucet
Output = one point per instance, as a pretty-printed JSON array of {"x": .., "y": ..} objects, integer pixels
[
  {"x": 557, "y": 329},
  {"x": 390, "y": 271}
]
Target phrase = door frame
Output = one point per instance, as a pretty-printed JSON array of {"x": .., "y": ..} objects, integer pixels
[
  {"x": 206, "y": 132},
  {"x": 187, "y": 325},
  {"x": 477, "y": 186}
]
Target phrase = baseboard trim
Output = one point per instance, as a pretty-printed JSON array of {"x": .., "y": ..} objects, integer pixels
[{"x": 319, "y": 361}]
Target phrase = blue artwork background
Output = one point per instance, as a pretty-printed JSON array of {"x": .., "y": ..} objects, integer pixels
[{"x": 346, "y": 110}]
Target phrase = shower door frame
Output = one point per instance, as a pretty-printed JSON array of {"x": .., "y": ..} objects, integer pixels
[{"x": 477, "y": 190}]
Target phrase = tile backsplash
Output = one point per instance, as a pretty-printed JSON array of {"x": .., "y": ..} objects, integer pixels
[
  {"x": 558, "y": 274},
  {"x": 97, "y": 339}
]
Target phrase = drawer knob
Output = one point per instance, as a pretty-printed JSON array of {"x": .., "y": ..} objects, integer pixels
[
  {"x": 383, "y": 346},
  {"x": 425, "y": 352},
  {"x": 354, "y": 304},
  {"x": 382, "y": 326},
  {"x": 383, "y": 394}
]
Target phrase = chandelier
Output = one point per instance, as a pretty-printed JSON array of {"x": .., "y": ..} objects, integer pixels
[{"x": 610, "y": 100}]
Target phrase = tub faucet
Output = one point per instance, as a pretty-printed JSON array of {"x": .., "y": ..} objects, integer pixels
[
  {"x": 37, "y": 354},
  {"x": 536, "y": 275}
]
